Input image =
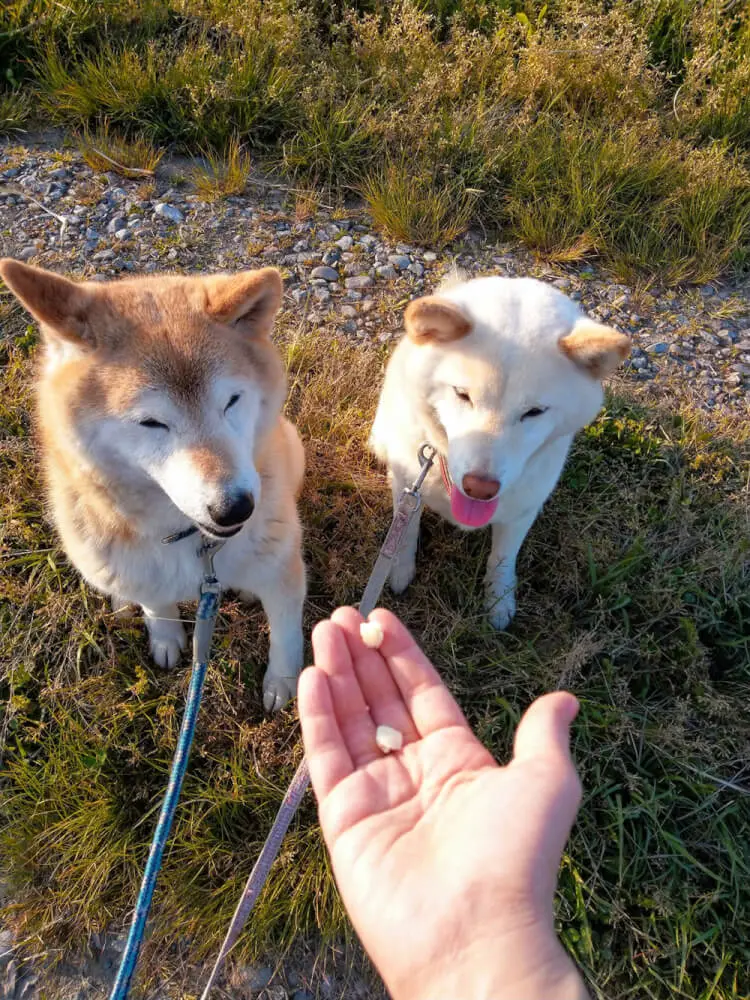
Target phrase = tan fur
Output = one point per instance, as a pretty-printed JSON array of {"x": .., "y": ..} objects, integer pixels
[
  {"x": 434, "y": 319},
  {"x": 596, "y": 348},
  {"x": 110, "y": 349}
]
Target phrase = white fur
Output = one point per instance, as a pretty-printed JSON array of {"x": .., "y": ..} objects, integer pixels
[{"x": 511, "y": 361}]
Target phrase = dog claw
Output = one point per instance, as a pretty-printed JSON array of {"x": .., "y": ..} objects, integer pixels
[
  {"x": 278, "y": 691},
  {"x": 501, "y": 610},
  {"x": 167, "y": 641}
]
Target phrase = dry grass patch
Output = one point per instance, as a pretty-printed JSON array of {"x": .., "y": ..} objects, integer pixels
[
  {"x": 222, "y": 174},
  {"x": 107, "y": 150}
]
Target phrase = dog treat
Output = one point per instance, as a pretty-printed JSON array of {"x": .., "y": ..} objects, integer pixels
[
  {"x": 388, "y": 739},
  {"x": 372, "y": 634}
]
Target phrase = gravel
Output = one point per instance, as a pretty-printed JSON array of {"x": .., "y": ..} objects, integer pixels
[
  {"x": 169, "y": 212},
  {"x": 345, "y": 276}
]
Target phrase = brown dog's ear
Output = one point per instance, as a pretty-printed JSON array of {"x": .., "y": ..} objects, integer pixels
[
  {"x": 432, "y": 319},
  {"x": 596, "y": 348},
  {"x": 248, "y": 300},
  {"x": 60, "y": 305}
]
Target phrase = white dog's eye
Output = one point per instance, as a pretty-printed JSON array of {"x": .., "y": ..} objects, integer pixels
[
  {"x": 232, "y": 401},
  {"x": 535, "y": 411},
  {"x": 462, "y": 394},
  {"x": 150, "y": 422}
]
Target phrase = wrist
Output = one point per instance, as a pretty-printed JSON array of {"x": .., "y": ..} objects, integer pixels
[{"x": 529, "y": 968}]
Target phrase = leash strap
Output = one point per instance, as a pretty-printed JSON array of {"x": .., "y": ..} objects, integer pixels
[
  {"x": 445, "y": 474},
  {"x": 410, "y": 503},
  {"x": 208, "y": 607}
]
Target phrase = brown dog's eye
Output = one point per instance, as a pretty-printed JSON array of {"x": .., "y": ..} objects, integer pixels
[
  {"x": 154, "y": 423},
  {"x": 462, "y": 394},
  {"x": 535, "y": 411},
  {"x": 232, "y": 401}
]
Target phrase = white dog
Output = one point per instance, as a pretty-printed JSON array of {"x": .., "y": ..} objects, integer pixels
[
  {"x": 498, "y": 374},
  {"x": 159, "y": 412}
]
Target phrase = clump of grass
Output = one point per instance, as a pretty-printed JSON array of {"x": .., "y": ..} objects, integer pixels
[
  {"x": 414, "y": 208},
  {"x": 634, "y": 593},
  {"x": 332, "y": 144},
  {"x": 15, "y": 111},
  {"x": 306, "y": 204},
  {"x": 224, "y": 173},
  {"x": 107, "y": 150}
]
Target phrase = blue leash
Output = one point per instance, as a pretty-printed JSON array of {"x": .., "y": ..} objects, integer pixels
[{"x": 208, "y": 607}]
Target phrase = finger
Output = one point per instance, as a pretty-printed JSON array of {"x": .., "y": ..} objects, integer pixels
[
  {"x": 543, "y": 744},
  {"x": 428, "y": 700},
  {"x": 331, "y": 654},
  {"x": 544, "y": 730},
  {"x": 327, "y": 757},
  {"x": 376, "y": 682},
  {"x": 543, "y": 735}
]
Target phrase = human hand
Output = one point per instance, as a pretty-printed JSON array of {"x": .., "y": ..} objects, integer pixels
[{"x": 446, "y": 862}]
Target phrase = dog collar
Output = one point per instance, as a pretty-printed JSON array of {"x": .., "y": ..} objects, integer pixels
[{"x": 179, "y": 535}]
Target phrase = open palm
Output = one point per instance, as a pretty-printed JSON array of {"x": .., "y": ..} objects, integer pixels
[{"x": 436, "y": 849}]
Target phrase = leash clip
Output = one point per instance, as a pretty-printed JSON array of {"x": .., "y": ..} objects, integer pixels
[{"x": 207, "y": 551}]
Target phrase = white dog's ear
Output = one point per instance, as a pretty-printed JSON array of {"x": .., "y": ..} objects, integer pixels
[
  {"x": 248, "y": 300},
  {"x": 596, "y": 348},
  {"x": 431, "y": 319},
  {"x": 61, "y": 306}
]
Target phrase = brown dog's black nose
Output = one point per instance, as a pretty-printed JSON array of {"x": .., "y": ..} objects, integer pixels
[
  {"x": 479, "y": 488},
  {"x": 235, "y": 508}
]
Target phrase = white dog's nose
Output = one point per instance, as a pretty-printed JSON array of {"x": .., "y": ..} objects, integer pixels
[{"x": 479, "y": 488}]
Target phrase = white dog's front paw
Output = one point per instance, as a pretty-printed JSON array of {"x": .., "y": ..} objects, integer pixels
[
  {"x": 501, "y": 605},
  {"x": 278, "y": 691},
  {"x": 167, "y": 641},
  {"x": 401, "y": 575}
]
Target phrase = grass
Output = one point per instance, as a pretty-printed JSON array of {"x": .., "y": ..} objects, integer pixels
[
  {"x": 634, "y": 593},
  {"x": 588, "y": 129},
  {"x": 223, "y": 174},
  {"x": 409, "y": 207},
  {"x": 14, "y": 112},
  {"x": 105, "y": 150}
]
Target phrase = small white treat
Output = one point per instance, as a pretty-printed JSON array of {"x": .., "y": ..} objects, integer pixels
[
  {"x": 388, "y": 739},
  {"x": 372, "y": 634}
]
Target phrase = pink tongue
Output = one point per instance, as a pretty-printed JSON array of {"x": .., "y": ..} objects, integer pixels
[{"x": 472, "y": 513}]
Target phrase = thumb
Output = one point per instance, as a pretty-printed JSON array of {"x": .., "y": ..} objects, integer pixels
[{"x": 544, "y": 730}]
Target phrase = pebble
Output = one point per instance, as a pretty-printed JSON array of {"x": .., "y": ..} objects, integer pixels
[
  {"x": 360, "y": 281},
  {"x": 386, "y": 271},
  {"x": 123, "y": 234},
  {"x": 345, "y": 243},
  {"x": 170, "y": 212},
  {"x": 399, "y": 261},
  {"x": 27, "y": 253},
  {"x": 660, "y": 348},
  {"x": 429, "y": 256},
  {"x": 326, "y": 273},
  {"x": 118, "y": 222}
]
